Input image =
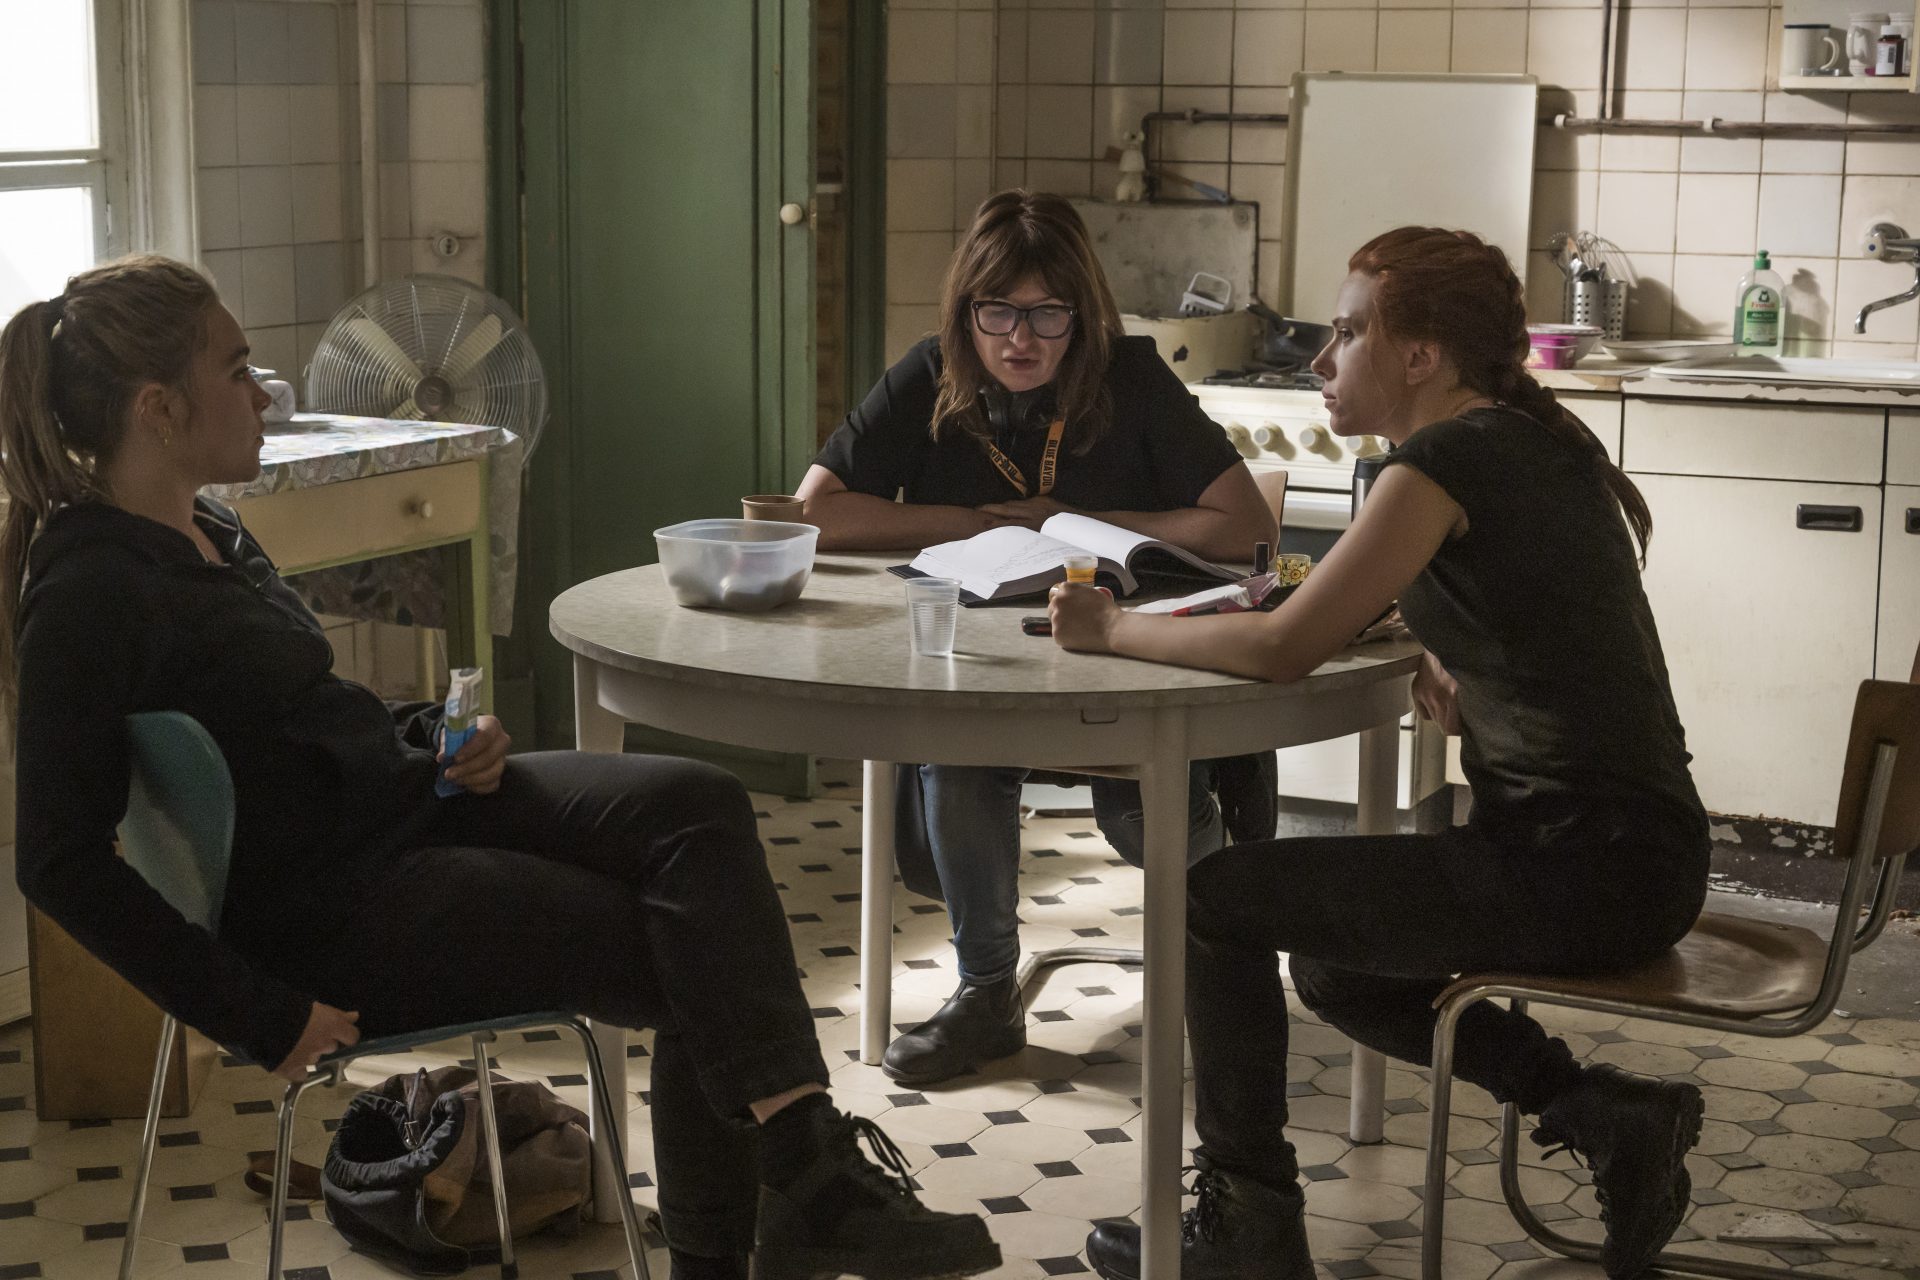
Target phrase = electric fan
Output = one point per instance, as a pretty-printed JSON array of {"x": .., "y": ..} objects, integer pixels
[{"x": 430, "y": 347}]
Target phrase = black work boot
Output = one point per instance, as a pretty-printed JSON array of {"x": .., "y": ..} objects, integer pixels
[
  {"x": 1634, "y": 1132},
  {"x": 837, "y": 1213},
  {"x": 1238, "y": 1230},
  {"x": 979, "y": 1022}
]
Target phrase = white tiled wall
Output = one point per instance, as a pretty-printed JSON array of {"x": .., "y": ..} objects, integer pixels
[
  {"x": 1075, "y": 75},
  {"x": 277, "y": 145}
]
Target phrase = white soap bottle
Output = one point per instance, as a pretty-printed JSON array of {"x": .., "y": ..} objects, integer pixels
[{"x": 1760, "y": 310}]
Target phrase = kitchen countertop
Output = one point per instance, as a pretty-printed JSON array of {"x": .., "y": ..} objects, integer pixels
[
  {"x": 1607, "y": 376},
  {"x": 1595, "y": 373}
]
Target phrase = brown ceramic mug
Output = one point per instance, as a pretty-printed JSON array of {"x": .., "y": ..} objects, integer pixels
[{"x": 771, "y": 506}]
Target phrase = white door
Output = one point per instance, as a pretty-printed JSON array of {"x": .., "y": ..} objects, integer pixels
[
  {"x": 1899, "y": 584},
  {"x": 1767, "y": 620}
]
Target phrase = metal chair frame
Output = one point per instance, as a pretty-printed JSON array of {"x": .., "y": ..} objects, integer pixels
[
  {"x": 1471, "y": 989},
  {"x": 171, "y": 804}
]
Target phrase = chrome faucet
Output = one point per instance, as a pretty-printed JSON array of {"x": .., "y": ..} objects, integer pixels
[{"x": 1887, "y": 243}]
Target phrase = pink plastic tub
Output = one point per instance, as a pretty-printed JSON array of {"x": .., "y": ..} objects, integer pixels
[{"x": 1551, "y": 350}]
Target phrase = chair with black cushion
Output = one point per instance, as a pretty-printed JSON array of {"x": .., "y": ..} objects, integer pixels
[
  {"x": 178, "y": 834},
  {"x": 1754, "y": 977}
]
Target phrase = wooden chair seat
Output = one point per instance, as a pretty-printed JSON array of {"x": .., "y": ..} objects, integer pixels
[{"x": 1728, "y": 966}]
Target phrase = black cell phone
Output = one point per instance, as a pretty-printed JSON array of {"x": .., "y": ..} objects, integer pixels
[{"x": 1037, "y": 625}]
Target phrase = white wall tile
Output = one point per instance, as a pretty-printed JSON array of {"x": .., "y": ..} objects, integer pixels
[
  {"x": 1649, "y": 293},
  {"x": 1340, "y": 40},
  {"x": 260, "y": 42},
  {"x": 1650, "y": 152},
  {"x": 314, "y": 124},
  {"x": 444, "y": 45},
  {"x": 266, "y": 204},
  {"x": 1013, "y": 46},
  {"x": 1118, "y": 111},
  {"x": 1415, "y": 40},
  {"x": 1563, "y": 200},
  {"x": 1127, "y": 46},
  {"x": 906, "y": 325},
  {"x": 446, "y": 122},
  {"x": 1562, "y": 48},
  {"x": 1489, "y": 40},
  {"x": 972, "y": 120},
  {"x": 1068, "y": 178},
  {"x": 217, "y": 194},
  {"x": 1262, "y": 184},
  {"x": 1728, "y": 153},
  {"x": 274, "y": 347},
  {"x": 920, "y": 120},
  {"x": 1870, "y": 198},
  {"x": 1059, "y": 47},
  {"x": 319, "y": 208},
  {"x": 396, "y": 204},
  {"x": 971, "y": 185},
  {"x": 1727, "y": 48},
  {"x": 1811, "y": 284},
  {"x": 1654, "y": 47},
  {"x": 449, "y": 196},
  {"x": 1268, "y": 46},
  {"x": 1800, "y": 214},
  {"x": 1259, "y": 143},
  {"x": 1703, "y": 293},
  {"x": 1637, "y": 210},
  {"x": 262, "y": 127},
  {"x": 1059, "y": 121},
  {"x": 1196, "y": 142},
  {"x": 973, "y": 48},
  {"x": 916, "y": 264},
  {"x": 1718, "y": 213},
  {"x": 215, "y": 130},
  {"x": 1199, "y": 47},
  {"x": 920, "y": 195},
  {"x": 390, "y": 51},
  {"x": 266, "y": 281},
  {"x": 222, "y": 266},
  {"x": 920, "y": 47}
]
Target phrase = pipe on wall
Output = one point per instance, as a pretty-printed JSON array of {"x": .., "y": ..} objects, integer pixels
[{"x": 369, "y": 147}]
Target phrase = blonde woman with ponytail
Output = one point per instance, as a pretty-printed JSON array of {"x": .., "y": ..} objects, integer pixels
[
  {"x": 1511, "y": 543},
  {"x": 629, "y": 888}
]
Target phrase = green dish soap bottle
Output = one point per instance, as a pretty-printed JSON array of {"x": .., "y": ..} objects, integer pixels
[{"x": 1760, "y": 310}]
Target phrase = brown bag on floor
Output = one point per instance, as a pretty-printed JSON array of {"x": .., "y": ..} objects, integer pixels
[{"x": 408, "y": 1174}]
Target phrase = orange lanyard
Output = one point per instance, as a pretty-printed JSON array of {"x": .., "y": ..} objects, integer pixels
[{"x": 1049, "y": 461}]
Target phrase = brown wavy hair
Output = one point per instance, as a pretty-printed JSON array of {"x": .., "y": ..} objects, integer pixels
[
  {"x": 1454, "y": 289},
  {"x": 1017, "y": 235},
  {"x": 70, "y": 368}
]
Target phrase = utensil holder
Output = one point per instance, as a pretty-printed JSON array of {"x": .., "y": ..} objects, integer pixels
[{"x": 1598, "y": 302}]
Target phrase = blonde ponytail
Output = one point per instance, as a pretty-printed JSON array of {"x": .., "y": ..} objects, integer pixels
[{"x": 69, "y": 370}]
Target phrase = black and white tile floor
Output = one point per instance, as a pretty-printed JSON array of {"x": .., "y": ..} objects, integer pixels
[{"x": 1827, "y": 1125}]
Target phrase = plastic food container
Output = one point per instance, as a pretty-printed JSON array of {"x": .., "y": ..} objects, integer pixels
[
  {"x": 1577, "y": 339},
  {"x": 745, "y": 565}
]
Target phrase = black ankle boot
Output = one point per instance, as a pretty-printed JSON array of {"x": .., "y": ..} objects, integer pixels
[
  {"x": 1239, "y": 1230},
  {"x": 840, "y": 1214},
  {"x": 978, "y": 1023},
  {"x": 1634, "y": 1132}
]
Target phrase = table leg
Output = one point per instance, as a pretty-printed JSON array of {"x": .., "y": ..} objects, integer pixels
[
  {"x": 597, "y": 729},
  {"x": 1163, "y": 795},
  {"x": 876, "y": 909},
  {"x": 1379, "y": 780}
]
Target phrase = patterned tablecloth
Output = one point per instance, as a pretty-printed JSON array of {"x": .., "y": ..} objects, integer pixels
[{"x": 410, "y": 588}]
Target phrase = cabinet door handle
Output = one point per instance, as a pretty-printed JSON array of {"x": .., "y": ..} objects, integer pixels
[
  {"x": 1913, "y": 519},
  {"x": 1809, "y": 515}
]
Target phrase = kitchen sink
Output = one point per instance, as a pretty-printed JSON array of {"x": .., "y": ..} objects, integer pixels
[{"x": 1856, "y": 373}]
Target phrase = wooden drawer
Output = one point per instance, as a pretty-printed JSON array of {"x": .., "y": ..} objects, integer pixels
[
  {"x": 1762, "y": 442},
  {"x": 1601, "y": 413},
  {"x": 1903, "y": 447},
  {"x": 310, "y": 528}
]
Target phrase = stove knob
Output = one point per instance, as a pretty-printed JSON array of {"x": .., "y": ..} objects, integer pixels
[
  {"x": 1271, "y": 438},
  {"x": 1242, "y": 440},
  {"x": 1364, "y": 446},
  {"x": 1314, "y": 439}
]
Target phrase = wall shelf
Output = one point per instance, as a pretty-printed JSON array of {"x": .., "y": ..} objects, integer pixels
[{"x": 1847, "y": 84}]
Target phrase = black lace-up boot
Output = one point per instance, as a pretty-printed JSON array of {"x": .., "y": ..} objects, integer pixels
[
  {"x": 1633, "y": 1132},
  {"x": 1238, "y": 1229},
  {"x": 979, "y": 1022},
  {"x": 827, "y": 1210}
]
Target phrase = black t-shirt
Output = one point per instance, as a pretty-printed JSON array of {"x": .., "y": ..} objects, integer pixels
[
  {"x": 1538, "y": 612},
  {"x": 1159, "y": 453}
]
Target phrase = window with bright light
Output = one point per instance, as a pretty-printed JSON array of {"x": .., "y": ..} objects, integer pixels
[{"x": 60, "y": 136}]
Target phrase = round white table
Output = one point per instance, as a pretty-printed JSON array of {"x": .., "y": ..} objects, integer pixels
[{"x": 833, "y": 674}]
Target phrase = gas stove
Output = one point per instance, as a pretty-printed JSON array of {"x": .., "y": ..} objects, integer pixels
[
  {"x": 1286, "y": 428},
  {"x": 1266, "y": 378}
]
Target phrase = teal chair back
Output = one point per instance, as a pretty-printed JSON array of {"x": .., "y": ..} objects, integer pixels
[{"x": 178, "y": 832}]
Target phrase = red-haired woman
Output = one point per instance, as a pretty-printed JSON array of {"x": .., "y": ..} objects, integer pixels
[{"x": 1508, "y": 538}]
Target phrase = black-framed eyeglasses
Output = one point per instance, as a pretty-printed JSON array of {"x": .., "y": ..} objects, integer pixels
[{"x": 998, "y": 319}]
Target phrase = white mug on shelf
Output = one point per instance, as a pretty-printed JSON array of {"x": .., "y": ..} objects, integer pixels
[
  {"x": 1863, "y": 32},
  {"x": 1809, "y": 49}
]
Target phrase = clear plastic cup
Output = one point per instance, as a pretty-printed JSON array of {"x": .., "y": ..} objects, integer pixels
[
  {"x": 933, "y": 612},
  {"x": 1081, "y": 568}
]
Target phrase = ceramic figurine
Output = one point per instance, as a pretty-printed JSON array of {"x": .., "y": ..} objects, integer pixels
[{"x": 1132, "y": 187}]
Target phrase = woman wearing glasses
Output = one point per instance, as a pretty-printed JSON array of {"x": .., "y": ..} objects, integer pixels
[{"x": 1030, "y": 400}]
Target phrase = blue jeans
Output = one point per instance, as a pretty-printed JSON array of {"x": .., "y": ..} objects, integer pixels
[{"x": 973, "y": 827}]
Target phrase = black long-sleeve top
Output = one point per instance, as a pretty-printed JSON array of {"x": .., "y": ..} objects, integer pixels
[{"x": 122, "y": 614}]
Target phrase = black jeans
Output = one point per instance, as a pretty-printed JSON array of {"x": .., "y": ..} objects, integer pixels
[
  {"x": 632, "y": 889},
  {"x": 1377, "y": 926}
]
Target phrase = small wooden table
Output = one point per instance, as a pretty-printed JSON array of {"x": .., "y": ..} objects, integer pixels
[{"x": 832, "y": 674}]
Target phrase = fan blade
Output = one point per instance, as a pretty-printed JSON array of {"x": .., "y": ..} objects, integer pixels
[
  {"x": 469, "y": 406},
  {"x": 473, "y": 348},
  {"x": 383, "y": 350},
  {"x": 408, "y": 412}
]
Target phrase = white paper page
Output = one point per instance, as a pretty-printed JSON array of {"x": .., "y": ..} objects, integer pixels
[
  {"x": 1108, "y": 541},
  {"x": 986, "y": 560}
]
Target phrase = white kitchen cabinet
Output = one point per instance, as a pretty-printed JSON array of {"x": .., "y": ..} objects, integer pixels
[
  {"x": 1767, "y": 626},
  {"x": 1899, "y": 584},
  {"x": 1601, "y": 412}
]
